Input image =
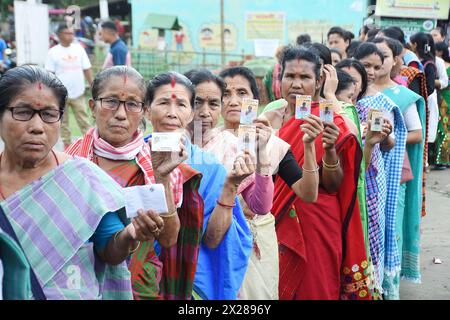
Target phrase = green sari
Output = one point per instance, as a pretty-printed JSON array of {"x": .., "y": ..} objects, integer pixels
[
  {"x": 351, "y": 112},
  {"x": 409, "y": 198},
  {"x": 443, "y": 135},
  {"x": 16, "y": 283}
]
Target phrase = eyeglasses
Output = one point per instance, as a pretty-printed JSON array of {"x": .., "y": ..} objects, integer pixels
[
  {"x": 26, "y": 114},
  {"x": 114, "y": 104}
]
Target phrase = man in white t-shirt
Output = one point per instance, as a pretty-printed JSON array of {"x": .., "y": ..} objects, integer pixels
[{"x": 70, "y": 63}]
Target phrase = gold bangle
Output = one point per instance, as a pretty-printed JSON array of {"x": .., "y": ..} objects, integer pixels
[
  {"x": 134, "y": 250},
  {"x": 332, "y": 169},
  {"x": 311, "y": 171},
  {"x": 115, "y": 241},
  {"x": 173, "y": 214},
  {"x": 331, "y": 166}
]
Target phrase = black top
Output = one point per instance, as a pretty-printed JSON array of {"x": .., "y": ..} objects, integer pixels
[
  {"x": 415, "y": 86},
  {"x": 289, "y": 170},
  {"x": 430, "y": 74}
]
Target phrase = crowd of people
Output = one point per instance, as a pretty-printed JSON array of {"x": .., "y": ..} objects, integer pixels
[{"x": 319, "y": 209}]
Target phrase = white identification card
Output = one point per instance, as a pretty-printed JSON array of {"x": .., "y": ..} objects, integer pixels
[
  {"x": 249, "y": 111},
  {"x": 377, "y": 121},
  {"x": 166, "y": 141},
  {"x": 326, "y": 111},
  {"x": 247, "y": 139},
  {"x": 150, "y": 197},
  {"x": 302, "y": 107}
]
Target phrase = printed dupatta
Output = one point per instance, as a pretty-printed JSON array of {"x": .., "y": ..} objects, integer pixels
[
  {"x": 384, "y": 250},
  {"x": 411, "y": 74},
  {"x": 54, "y": 217},
  {"x": 179, "y": 262},
  {"x": 84, "y": 147},
  {"x": 409, "y": 235}
]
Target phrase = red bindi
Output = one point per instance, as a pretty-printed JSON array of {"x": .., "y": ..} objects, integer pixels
[
  {"x": 174, "y": 96},
  {"x": 173, "y": 82}
]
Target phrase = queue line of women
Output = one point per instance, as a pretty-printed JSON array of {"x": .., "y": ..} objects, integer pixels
[{"x": 316, "y": 212}]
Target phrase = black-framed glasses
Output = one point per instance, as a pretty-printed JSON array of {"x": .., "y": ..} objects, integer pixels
[
  {"x": 26, "y": 114},
  {"x": 114, "y": 104}
]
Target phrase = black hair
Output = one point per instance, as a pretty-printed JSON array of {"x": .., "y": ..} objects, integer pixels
[
  {"x": 352, "y": 48},
  {"x": 373, "y": 32},
  {"x": 337, "y": 52},
  {"x": 109, "y": 25},
  {"x": 297, "y": 53},
  {"x": 168, "y": 78},
  {"x": 61, "y": 28},
  {"x": 442, "y": 46},
  {"x": 322, "y": 51},
  {"x": 244, "y": 72},
  {"x": 199, "y": 76},
  {"x": 395, "y": 33},
  {"x": 441, "y": 31},
  {"x": 189, "y": 74},
  {"x": 345, "y": 80},
  {"x": 424, "y": 45},
  {"x": 359, "y": 67},
  {"x": 395, "y": 45},
  {"x": 366, "y": 49},
  {"x": 303, "y": 38},
  {"x": 116, "y": 71},
  {"x": 364, "y": 29},
  {"x": 15, "y": 80},
  {"x": 344, "y": 34}
]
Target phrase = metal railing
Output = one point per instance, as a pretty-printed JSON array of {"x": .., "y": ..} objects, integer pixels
[{"x": 152, "y": 62}]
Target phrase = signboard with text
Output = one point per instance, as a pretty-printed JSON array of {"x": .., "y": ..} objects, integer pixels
[
  {"x": 409, "y": 26},
  {"x": 425, "y": 9}
]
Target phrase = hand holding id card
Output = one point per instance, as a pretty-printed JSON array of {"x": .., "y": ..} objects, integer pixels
[
  {"x": 376, "y": 120},
  {"x": 302, "y": 107},
  {"x": 149, "y": 197},
  {"x": 326, "y": 111},
  {"x": 166, "y": 141},
  {"x": 249, "y": 111},
  {"x": 247, "y": 139}
]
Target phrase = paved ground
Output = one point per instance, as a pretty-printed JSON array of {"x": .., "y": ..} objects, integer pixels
[{"x": 435, "y": 243}]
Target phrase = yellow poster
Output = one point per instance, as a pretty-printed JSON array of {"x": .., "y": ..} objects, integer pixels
[
  {"x": 425, "y": 9},
  {"x": 265, "y": 25},
  {"x": 209, "y": 36}
]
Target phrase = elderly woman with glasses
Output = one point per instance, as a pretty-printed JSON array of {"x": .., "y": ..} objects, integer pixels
[
  {"x": 117, "y": 146},
  {"x": 61, "y": 212}
]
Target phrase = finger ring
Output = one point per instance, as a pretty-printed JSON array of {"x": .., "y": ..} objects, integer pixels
[{"x": 154, "y": 230}]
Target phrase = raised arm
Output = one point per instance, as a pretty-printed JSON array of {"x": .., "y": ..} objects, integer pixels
[{"x": 221, "y": 217}]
